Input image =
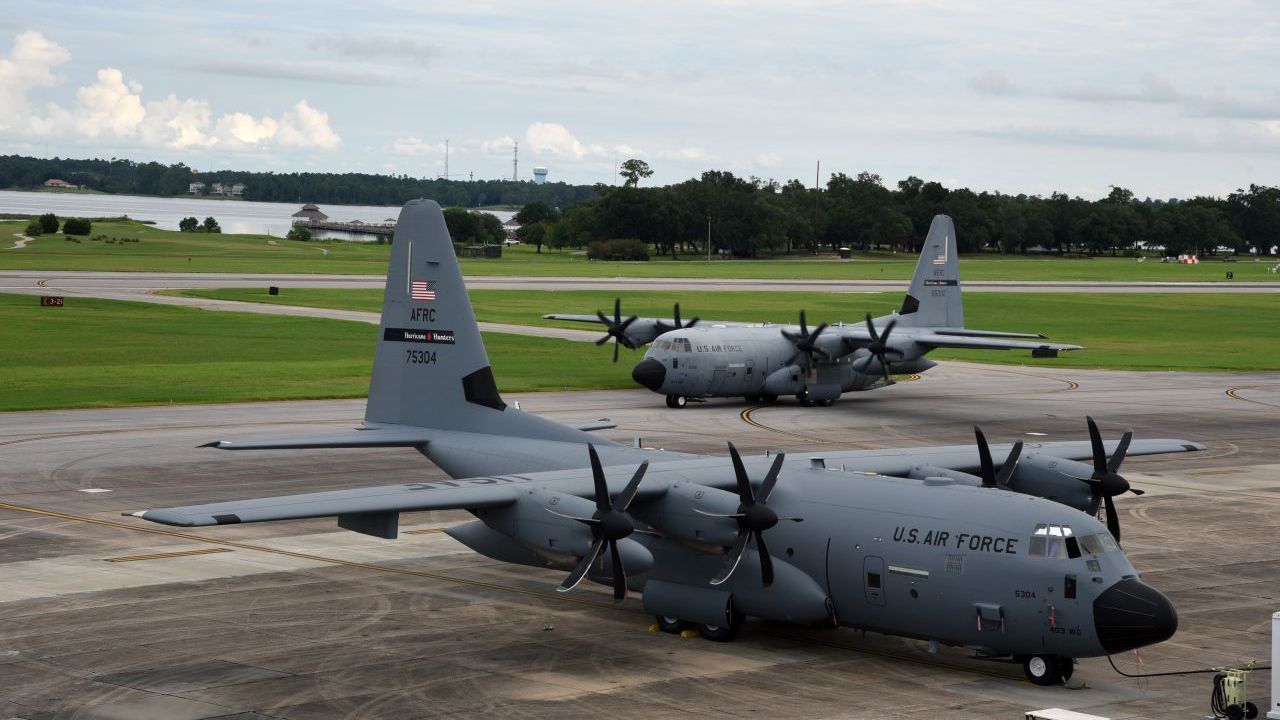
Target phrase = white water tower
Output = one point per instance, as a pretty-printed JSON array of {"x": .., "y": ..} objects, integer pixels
[{"x": 540, "y": 176}]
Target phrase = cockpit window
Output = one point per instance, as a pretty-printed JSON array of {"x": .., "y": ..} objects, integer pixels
[
  {"x": 1053, "y": 541},
  {"x": 678, "y": 345},
  {"x": 1099, "y": 544},
  {"x": 1058, "y": 541}
]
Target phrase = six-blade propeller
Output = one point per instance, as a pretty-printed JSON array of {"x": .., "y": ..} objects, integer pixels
[
  {"x": 753, "y": 517},
  {"x": 609, "y": 525},
  {"x": 665, "y": 327},
  {"x": 805, "y": 341},
  {"x": 616, "y": 328},
  {"x": 991, "y": 478},
  {"x": 879, "y": 349},
  {"x": 1106, "y": 481}
]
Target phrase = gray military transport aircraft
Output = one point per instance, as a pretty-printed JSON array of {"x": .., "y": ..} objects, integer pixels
[
  {"x": 936, "y": 543},
  {"x": 762, "y": 361}
]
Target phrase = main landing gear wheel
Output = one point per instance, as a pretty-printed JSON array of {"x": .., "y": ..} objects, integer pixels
[
  {"x": 720, "y": 633},
  {"x": 826, "y": 403},
  {"x": 751, "y": 398},
  {"x": 671, "y": 625},
  {"x": 1047, "y": 669},
  {"x": 677, "y": 401},
  {"x": 803, "y": 397},
  {"x": 768, "y": 399}
]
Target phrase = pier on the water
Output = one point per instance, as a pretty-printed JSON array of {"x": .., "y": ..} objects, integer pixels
[{"x": 386, "y": 230}]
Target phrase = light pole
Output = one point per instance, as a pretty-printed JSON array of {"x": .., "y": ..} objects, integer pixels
[{"x": 708, "y": 237}]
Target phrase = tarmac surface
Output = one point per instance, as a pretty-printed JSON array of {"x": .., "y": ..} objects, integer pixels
[{"x": 103, "y": 616}]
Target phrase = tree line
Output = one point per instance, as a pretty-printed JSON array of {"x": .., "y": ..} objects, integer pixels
[
  {"x": 745, "y": 217},
  {"x": 750, "y": 217},
  {"x": 152, "y": 178}
]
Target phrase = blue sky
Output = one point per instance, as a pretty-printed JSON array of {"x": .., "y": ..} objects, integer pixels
[{"x": 1166, "y": 98}]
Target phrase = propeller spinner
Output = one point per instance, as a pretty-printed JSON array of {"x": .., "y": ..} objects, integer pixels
[
  {"x": 1106, "y": 481},
  {"x": 616, "y": 328},
  {"x": 805, "y": 341},
  {"x": 753, "y": 517},
  {"x": 609, "y": 525}
]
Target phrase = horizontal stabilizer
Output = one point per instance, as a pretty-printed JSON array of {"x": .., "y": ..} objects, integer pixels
[{"x": 356, "y": 438}]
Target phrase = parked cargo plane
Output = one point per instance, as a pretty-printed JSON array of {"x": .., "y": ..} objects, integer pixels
[
  {"x": 956, "y": 549},
  {"x": 762, "y": 361}
]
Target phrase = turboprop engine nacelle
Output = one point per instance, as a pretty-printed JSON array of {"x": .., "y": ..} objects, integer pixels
[
  {"x": 673, "y": 514},
  {"x": 537, "y": 521},
  {"x": 920, "y": 472},
  {"x": 1055, "y": 479},
  {"x": 785, "y": 380}
]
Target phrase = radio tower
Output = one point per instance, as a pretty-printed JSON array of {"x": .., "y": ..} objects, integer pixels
[{"x": 515, "y": 163}]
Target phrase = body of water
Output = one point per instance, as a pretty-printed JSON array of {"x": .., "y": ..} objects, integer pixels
[{"x": 235, "y": 216}]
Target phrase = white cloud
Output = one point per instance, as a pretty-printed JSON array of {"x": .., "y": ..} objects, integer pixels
[
  {"x": 306, "y": 126},
  {"x": 691, "y": 153},
  {"x": 768, "y": 159},
  {"x": 29, "y": 65},
  {"x": 498, "y": 146},
  {"x": 112, "y": 108},
  {"x": 555, "y": 139},
  {"x": 109, "y": 105},
  {"x": 413, "y": 147}
]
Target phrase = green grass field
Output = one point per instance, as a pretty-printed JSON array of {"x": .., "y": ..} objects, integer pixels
[
  {"x": 1138, "y": 331},
  {"x": 171, "y": 251},
  {"x": 101, "y": 353}
]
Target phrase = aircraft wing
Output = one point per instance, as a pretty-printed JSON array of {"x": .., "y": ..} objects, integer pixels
[
  {"x": 940, "y": 340},
  {"x": 642, "y": 330},
  {"x": 899, "y": 461},
  {"x": 468, "y": 494},
  {"x": 857, "y": 336}
]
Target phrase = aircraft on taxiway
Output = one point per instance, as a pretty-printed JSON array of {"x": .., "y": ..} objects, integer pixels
[
  {"x": 936, "y": 543},
  {"x": 762, "y": 361}
]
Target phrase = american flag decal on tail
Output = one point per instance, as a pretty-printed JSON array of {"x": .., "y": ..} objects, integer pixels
[{"x": 422, "y": 290}]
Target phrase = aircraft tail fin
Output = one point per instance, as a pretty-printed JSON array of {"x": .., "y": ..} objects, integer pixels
[
  {"x": 430, "y": 368},
  {"x": 933, "y": 299}
]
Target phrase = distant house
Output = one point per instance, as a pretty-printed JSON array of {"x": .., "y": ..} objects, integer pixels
[
  {"x": 309, "y": 213},
  {"x": 237, "y": 189},
  {"x": 216, "y": 189},
  {"x": 195, "y": 188},
  {"x": 61, "y": 184}
]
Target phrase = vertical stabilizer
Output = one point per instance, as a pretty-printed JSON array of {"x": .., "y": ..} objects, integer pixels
[
  {"x": 430, "y": 368},
  {"x": 933, "y": 300}
]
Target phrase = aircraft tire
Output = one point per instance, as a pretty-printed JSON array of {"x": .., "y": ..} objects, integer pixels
[
  {"x": 673, "y": 626},
  {"x": 826, "y": 403},
  {"x": 751, "y": 398},
  {"x": 1067, "y": 667},
  {"x": 720, "y": 633},
  {"x": 671, "y": 401},
  {"x": 679, "y": 401},
  {"x": 803, "y": 398},
  {"x": 769, "y": 399},
  {"x": 1043, "y": 669}
]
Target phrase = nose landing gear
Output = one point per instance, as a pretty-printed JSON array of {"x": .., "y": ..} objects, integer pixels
[
  {"x": 677, "y": 401},
  {"x": 1048, "y": 669}
]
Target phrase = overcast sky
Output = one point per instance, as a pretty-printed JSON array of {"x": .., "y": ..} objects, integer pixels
[{"x": 1169, "y": 99}]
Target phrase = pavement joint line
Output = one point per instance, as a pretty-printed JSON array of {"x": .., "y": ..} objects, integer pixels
[
  {"x": 163, "y": 555},
  {"x": 471, "y": 583}
]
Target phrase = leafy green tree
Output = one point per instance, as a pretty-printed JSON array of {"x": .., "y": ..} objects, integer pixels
[
  {"x": 188, "y": 224},
  {"x": 536, "y": 212},
  {"x": 34, "y": 229},
  {"x": 534, "y": 234},
  {"x": 299, "y": 234},
  {"x": 77, "y": 226},
  {"x": 211, "y": 226},
  {"x": 48, "y": 223},
  {"x": 633, "y": 170}
]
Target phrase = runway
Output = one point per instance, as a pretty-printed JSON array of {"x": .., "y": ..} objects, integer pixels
[
  {"x": 108, "y": 616},
  {"x": 144, "y": 282}
]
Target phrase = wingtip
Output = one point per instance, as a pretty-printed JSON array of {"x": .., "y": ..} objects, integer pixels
[{"x": 138, "y": 514}]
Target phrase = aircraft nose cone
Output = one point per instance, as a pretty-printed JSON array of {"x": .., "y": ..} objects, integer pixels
[
  {"x": 1131, "y": 614},
  {"x": 649, "y": 373}
]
